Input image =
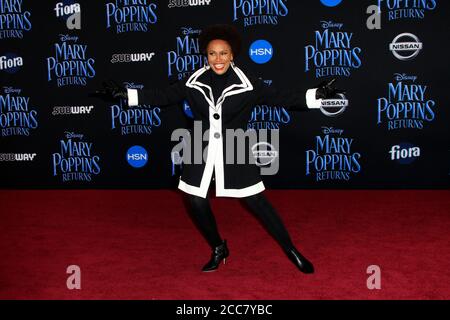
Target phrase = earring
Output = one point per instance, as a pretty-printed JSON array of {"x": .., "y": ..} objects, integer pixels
[{"x": 232, "y": 63}]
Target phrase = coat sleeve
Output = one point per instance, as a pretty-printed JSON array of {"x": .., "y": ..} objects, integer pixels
[
  {"x": 300, "y": 99},
  {"x": 174, "y": 93}
]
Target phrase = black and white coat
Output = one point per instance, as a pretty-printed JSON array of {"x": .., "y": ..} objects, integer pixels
[{"x": 232, "y": 110}]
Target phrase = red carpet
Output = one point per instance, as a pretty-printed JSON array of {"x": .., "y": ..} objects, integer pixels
[{"x": 142, "y": 245}]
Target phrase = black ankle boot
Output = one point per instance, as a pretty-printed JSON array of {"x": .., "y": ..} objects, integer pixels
[
  {"x": 300, "y": 261},
  {"x": 219, "y": 253}
]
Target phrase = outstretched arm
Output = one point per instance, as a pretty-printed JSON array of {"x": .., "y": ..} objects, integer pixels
[
  {"x": 112, "y": 91},
  {"x": 294, "y": 99},
  {"x": 160, "y": 97}
]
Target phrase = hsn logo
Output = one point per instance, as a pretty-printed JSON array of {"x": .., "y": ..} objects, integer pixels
[
  {"x": 137, "y": 156},
  {"x": 187, "y": 109},
  {"x": 331, "y": 3},
  {"x": 260, "y": 51}
]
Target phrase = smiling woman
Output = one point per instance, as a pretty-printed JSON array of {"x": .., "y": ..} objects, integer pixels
[
  {"x": 219, "y": 56},
  {"x": 222, "y": 98}
]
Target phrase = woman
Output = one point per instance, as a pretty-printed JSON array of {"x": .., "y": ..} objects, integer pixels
[{"x": 222, "y": 97}]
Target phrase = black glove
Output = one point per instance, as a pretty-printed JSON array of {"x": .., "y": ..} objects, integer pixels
[
  {"x": 111, "y": 90},
  {"x": 325, "y": 90}
]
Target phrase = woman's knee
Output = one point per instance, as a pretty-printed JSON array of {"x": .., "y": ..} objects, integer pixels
[
  {"x": 256, "y": 199},
  {"x": 198, "y": 202}
]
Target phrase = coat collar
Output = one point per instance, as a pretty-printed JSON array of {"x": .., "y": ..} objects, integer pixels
[{"x": 237, "y": 83}]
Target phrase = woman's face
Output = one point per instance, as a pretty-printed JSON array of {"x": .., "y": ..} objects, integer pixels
[{"x": 219, "y": 56}]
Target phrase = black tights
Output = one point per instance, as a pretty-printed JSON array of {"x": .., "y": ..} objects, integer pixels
[{"x": 258, "y": 204}]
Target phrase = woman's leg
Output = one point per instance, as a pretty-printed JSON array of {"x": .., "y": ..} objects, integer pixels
[
  {"x": 204, "y": 219},
  {"x": 263, "y": 210}
]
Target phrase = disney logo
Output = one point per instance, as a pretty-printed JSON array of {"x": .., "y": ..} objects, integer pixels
[
  {"x": 187, "y": 31},
  {"x": 12, "y": 90},
  {"x": 331, "y": 24},
  {"x": 404, "y": 76},
  {"x": 131, "y": 85},
  {"x": 329, "y": 130},
  {"x": 66, "y": 37},
  {"x": 70, "y": 135}
]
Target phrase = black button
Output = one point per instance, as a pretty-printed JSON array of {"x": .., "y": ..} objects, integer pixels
[
  {"x": 217, "y": 135},
  {"x": 216, "y": 116}
]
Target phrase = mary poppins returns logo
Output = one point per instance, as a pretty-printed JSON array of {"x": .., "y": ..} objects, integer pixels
[
  {"x": 14, "y": 19},
  {"x": 406, "y": 9},
  {"x": 140, "y": 119},
  {"x": 333, "y": 52},
  {"x": 333, "y": 156},
  {"x": 253, "y": 12},
  {"x": 70, "y": 64},
  {"x": 17, "y": 115},
  {"x": 130, "y": 15},
  {"x": 407, "y": 104},
  {"x": 186, "y": 57},
  {"x": 75, "y": 159}
]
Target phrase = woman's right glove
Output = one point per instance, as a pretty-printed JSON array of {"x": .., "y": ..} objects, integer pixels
[
  {"x": 325, "y": 90},
  {"x": 322, "y": 91},
  {"x": 111, "y": 90}
]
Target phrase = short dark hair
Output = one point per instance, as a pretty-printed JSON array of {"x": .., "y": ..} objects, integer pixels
[{"x": 225, "y": 32}]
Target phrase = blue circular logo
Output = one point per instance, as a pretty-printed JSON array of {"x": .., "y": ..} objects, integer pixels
[
  {"x": 260, "y": 51},
  {"x": 137, "y": 156},
  {"x": 187, "y": 109},
  {"x": 331, "y": 3}
]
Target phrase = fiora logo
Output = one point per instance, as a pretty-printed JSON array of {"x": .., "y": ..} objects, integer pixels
[
  {"x": 404, "y": 153},
  {"x": 70, "y": 12},
  {"x": 137, "y": 156},
  {"x": 331, "y": 3},
  {"x": 260, "y": 51},
  {"x": 10, "y": 63}
]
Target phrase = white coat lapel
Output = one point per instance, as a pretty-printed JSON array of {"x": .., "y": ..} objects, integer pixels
[
  {"x": 235, "y": 88},
  {"x": 193, "y": 82}
]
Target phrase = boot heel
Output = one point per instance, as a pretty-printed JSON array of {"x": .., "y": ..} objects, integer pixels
[{"x": 219, "y": 254}]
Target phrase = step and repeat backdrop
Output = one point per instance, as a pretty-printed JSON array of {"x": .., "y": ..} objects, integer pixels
[{"x": 389, "y": 130}]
